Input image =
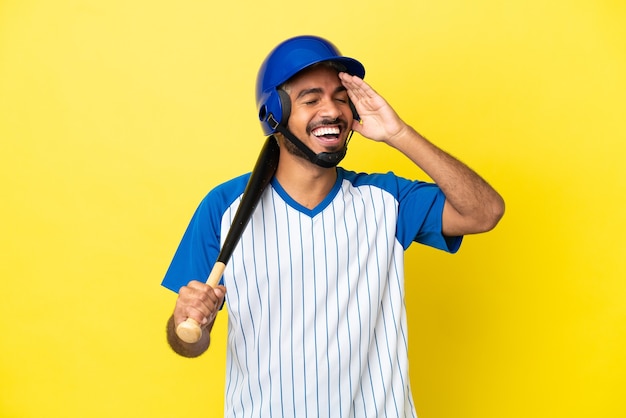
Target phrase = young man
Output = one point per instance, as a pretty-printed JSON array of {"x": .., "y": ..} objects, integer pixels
[{"x": 317, "y": 323}]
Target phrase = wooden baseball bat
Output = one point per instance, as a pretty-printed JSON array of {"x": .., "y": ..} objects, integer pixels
[{"x": 264, "y": 169}]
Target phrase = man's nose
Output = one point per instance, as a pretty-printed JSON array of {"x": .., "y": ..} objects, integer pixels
[{"x": 330, "y": 109}]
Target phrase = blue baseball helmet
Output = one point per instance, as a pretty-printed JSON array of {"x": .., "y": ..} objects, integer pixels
[{"x": 285, "y": 61}]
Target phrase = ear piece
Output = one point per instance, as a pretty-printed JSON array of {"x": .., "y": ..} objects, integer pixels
[
  {"x": 285, "y": 106},
  {"x": 355, "y": 114},
  {"x": 275, "y": 110}
]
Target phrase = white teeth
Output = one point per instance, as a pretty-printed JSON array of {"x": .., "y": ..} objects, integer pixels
[{"x": 326, "y": 131}]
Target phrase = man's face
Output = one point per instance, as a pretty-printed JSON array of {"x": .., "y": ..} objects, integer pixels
[{"x": 321, "y": 116}]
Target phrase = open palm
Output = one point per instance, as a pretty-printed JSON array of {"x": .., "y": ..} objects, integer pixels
[{"x": 379, "y": 122}]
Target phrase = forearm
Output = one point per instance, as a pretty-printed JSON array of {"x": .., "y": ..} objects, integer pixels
[
  {"x": 472, "y": 205},
  {"x": 185, "y": 349}
]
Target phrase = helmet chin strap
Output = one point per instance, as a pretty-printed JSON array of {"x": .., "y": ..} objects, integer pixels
[{"x": 323, "y": 159}]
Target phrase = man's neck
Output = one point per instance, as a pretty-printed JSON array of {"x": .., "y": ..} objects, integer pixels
[{"x": 303, "y": 181}]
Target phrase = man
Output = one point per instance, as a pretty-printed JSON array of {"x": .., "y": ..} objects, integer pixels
[{"x": 317, "y": 323}]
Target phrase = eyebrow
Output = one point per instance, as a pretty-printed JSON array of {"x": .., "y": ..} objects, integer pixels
[{"x": 318, "y": 90}]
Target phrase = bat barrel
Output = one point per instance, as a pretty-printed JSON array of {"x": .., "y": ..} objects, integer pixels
[
  {"x": 260, "y": 177},
  {"x": 189, "y": 330}
]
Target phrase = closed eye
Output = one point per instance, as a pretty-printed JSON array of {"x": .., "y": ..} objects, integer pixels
[{"x": 341, "y": 95}]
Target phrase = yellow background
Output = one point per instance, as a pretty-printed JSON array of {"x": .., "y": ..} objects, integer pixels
[{"x": 117, "y": 116}]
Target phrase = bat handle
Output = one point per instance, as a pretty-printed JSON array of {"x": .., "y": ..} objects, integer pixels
[{"x": 189, "y": 330}]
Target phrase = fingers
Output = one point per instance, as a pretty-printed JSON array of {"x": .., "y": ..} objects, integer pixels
[
  {"x": 351, "y": 86},
  {"x": 198, "y": 301},
  {"x": 358, "y": 90}
]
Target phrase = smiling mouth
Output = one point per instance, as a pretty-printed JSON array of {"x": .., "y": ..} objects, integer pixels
[{"x": 328, "y": 133}]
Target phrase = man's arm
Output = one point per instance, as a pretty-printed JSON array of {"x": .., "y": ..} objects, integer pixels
[
  {"x": 201, "y": 302},
  {"x": 472, "y": 205}
]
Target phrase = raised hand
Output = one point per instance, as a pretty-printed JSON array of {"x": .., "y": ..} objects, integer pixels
[
  {"x": 198, "y": 301},
  {"x": 379, "y": 122}
]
